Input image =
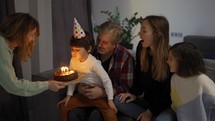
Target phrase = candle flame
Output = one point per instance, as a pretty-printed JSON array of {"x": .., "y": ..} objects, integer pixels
[{"x": 65, "y": 71}]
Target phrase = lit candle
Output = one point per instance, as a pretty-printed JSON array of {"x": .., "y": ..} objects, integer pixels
[{"x": 65, "y": 70}]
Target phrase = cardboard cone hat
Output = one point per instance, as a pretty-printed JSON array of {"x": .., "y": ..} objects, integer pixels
[{"x": 78, "y": 32}]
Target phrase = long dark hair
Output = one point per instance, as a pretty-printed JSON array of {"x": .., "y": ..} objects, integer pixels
[{"x": 189, "y": 59}]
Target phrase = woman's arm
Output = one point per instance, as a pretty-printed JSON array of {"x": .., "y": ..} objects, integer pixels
[{"x": 21, "y": 87}]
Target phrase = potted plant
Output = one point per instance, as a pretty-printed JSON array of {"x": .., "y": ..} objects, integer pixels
[{"x": 128, "y": 26}]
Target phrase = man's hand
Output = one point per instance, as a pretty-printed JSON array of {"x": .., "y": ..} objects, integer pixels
[
  {"x": 112, "y": 105},
  {"x": 91, "y": 91},
  {"x": 126, "y": 97},
  {"x": 65, "y": 100}
]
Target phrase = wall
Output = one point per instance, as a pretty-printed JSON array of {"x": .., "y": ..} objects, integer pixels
[
  {"x": 45, "y": 40},
  {"x": 42, "y": 59},
  {"x": 23, "y": 6},
  {"x": 185, "y": 16}
]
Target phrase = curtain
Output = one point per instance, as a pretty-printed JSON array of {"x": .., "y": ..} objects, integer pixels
[
  {"x": 12, "y": 107},
  {"x": 7, "y": 7},
  {"x": 63, "y": 14}
]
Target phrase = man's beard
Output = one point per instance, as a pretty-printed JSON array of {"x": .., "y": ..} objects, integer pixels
[{"x": 101, "y": 50}]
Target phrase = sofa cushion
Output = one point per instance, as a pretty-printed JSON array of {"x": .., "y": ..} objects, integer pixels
[
  {"x": 204, "y": 43},
  {"x": 210, "y": 66}
]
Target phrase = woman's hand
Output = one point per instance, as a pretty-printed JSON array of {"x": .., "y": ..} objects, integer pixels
[
  {"x": 145, "y": 116},
  {"x": 65, "y": 100},
  {"x": 91, "y": 91},
  {"x": 55, "y": 85},
  {"x": 126, "y": 97},
  {"x": 112, "y": 105}
]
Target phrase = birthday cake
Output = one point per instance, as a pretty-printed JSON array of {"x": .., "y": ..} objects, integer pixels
[{"x": 65, "y": 75}]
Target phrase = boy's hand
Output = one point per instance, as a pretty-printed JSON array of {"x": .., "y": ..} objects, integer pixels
[
  {"x": 65, "y": 100},
  {"x": 112, "y": 105}
]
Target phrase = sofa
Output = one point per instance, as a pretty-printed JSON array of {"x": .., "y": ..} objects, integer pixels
[
  {"x": 43, "y": 107},
  {"x": 206, "y": 44}
]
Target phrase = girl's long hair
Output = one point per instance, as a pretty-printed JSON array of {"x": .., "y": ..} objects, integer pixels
[{"x": 189, "y": 59}]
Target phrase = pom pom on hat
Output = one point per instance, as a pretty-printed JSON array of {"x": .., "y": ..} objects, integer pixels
[{"x": 78, "y": 32}]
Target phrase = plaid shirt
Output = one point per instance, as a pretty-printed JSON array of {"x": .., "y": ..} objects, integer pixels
[{"x": 121, "y": 69}]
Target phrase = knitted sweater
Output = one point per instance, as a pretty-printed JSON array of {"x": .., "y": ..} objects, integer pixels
[
  {"x": 193, "y": 98},
  {"x": 8, "y": 79}
]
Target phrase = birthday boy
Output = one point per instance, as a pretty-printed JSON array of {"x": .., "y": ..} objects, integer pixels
[{"x": 83, "y": 62}]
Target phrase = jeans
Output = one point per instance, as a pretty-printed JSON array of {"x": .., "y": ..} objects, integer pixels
[{"x": 135, "y": 109}]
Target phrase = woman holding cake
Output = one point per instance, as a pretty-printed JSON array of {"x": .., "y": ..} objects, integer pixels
[
  {"x": 21, "y": 31},
  {"x": 83, "y": 62}
]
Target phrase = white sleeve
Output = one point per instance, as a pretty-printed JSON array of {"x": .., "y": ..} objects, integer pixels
[
  {"x": 106, "y": 81},
  {"x": 71, "y": 89}
]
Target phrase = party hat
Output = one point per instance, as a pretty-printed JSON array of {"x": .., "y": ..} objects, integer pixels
[{"x": 78, "y": 32}]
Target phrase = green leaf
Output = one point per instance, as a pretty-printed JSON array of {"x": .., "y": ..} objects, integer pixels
[{"x": 127, "y": 24}]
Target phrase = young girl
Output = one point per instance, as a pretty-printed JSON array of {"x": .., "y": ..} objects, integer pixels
[
  {"x": 85, "y": 63},
  {"x": 192, "y": 92}
]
